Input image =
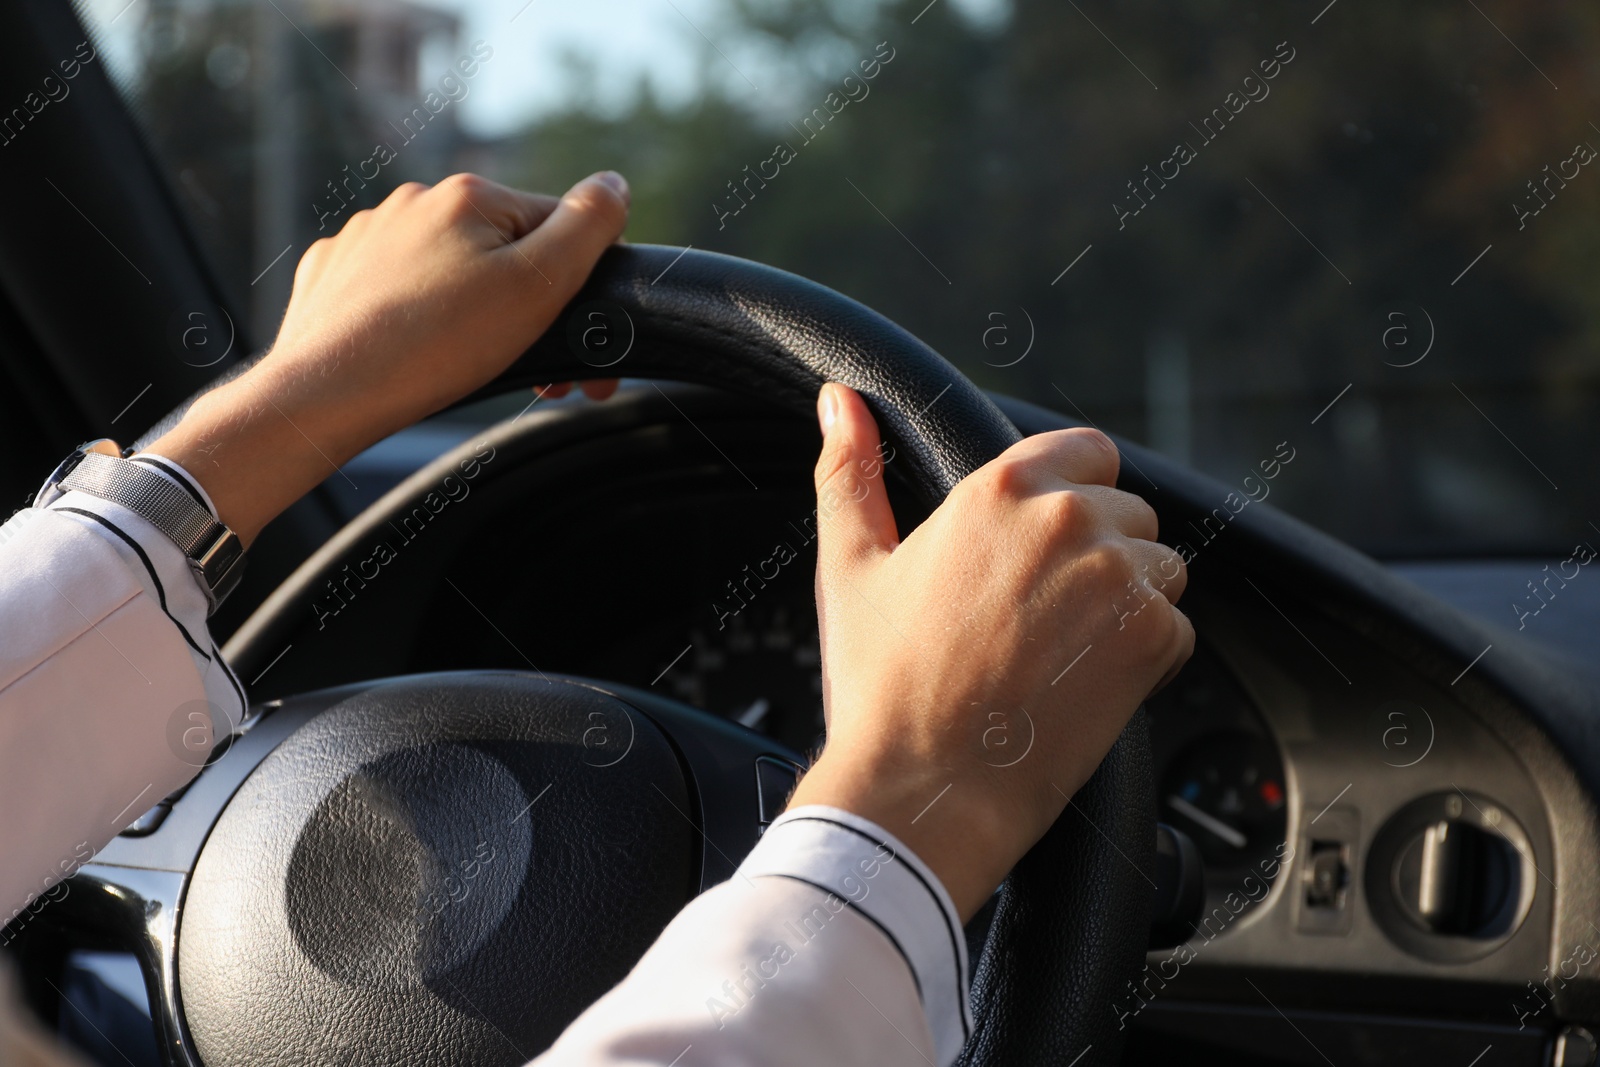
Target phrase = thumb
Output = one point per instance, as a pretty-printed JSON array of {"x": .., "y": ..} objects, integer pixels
[
  {"x": 854, "y": 520},
  {"x": 584, "y": 223}
]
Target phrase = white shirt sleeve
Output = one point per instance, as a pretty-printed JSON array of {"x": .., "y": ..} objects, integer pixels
[
  {"x": 832, "y": 943},
  {"x": 111, "y": 690}
]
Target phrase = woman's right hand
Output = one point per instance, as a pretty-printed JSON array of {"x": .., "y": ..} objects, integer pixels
[{"x": 975, "y": 675}]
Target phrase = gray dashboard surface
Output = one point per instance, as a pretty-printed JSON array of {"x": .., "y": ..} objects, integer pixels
[{"x": 1492, "y": 591}]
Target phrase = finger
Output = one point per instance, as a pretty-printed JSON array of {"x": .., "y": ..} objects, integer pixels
[
  {"x": 1081, "y": 455},
  {"x": 1180, "y": 649},
  {"x": 1124, "y": 512},
  {"x": 599, "y": 388},
  {"x": 1161, "y": 567},
  {"x": 521, "y": 212},
  {"x": 585, "y": 222},
  {"x": 403, "y": 193},
  {"x": 355, "y": 224},
  {"x": 553, "y": 392},
  {"x": 511, "y": 213},
  {"x": 854, "y": 520}
]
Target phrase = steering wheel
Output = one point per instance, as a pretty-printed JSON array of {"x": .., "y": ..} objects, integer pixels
[{"x": 448, "y": 868}]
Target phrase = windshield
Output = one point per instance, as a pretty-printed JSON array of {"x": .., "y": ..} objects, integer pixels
[{"x": 1363, "y": 236}]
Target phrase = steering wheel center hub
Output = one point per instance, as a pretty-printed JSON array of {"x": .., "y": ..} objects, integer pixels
[{"x": 432, "y": 870}]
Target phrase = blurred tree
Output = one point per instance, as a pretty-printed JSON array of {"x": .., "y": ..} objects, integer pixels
[{"x": 1382, "y": 160}]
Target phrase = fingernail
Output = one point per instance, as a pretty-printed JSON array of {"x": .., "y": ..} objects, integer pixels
[
  {"x": 617, "y": 183},
  {"x": 827, "y": 408}
]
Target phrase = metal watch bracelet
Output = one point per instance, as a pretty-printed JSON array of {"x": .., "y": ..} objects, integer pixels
[{"x": 214, "y": 551}]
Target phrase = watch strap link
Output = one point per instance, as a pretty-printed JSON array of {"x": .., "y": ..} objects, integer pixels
[{"x": 214, "y": 551}]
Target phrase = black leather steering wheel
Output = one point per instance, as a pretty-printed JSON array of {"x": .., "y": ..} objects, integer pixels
[{"x": 306, "y": 854}]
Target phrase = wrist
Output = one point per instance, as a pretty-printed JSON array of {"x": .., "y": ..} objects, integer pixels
[
  {"x": 253, "y": 450},
  {"x": 954, "y": 824}
]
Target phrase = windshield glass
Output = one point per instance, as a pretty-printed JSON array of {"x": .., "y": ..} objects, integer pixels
[{"x": 1364, "y": 236}]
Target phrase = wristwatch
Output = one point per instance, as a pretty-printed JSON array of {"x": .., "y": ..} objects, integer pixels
[{"x": 100, "y": 469}]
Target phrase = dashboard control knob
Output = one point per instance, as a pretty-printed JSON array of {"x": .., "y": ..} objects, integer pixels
[
  {"x": 1180, "y": 888},
  {"x": 1454, "y": 878},
  {"x": 1451, "y": 876},
  {"x": 1574, "y": 1047}
]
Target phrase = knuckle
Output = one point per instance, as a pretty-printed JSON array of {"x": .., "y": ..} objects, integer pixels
[
  {"x": 1150, "y": 625},
  {"x": 1139, "y": 606},
  {"x": 1095, "y": 437},
  {"x": 1069, "y": 512},
  {"x": 1174, "y": 571},
  {"x": 1175, "y": 578},
  {"x": 593, "y": 200},
  {"x": 404, "y": 192},
  {"x": 459, "y": 196},
  {"x": 1146, "y": 514},
  {"x": 1010, "y": 477},
  {"x": 1158, "y": 590},
  {"x": 312, "y": 256},
  {"x": 1179, "y": 634},
  {"x": 465, "y": 182},
  {"x": 1108, "y": 567},
  {"x": 1091, "y": 454},
  {"x": 1185, "y": 636},
  {"x": 1161, "y": 632},
  {"x": 1170, "y": 631}
]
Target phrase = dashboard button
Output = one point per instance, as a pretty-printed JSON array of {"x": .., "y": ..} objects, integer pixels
[{"x": 1326, "y": 876}]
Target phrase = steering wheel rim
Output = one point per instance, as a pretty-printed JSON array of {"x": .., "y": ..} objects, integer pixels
[{"x": 1070, "y": 924}]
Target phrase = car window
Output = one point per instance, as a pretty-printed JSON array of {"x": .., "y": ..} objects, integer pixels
[{"x": 1346, "y": 245}]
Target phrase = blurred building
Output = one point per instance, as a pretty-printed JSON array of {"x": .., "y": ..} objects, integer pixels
[
  {"x": 263, "y": 108},
  {"x": 371, "y": 75}
]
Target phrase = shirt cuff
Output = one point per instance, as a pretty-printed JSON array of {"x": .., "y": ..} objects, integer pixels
[
  {"x": 168, "y": 578},
  {"x": 871, "y": 871}
]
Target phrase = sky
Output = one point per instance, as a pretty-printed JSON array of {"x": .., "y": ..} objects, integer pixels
[{"x": 624, "y": 38}]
